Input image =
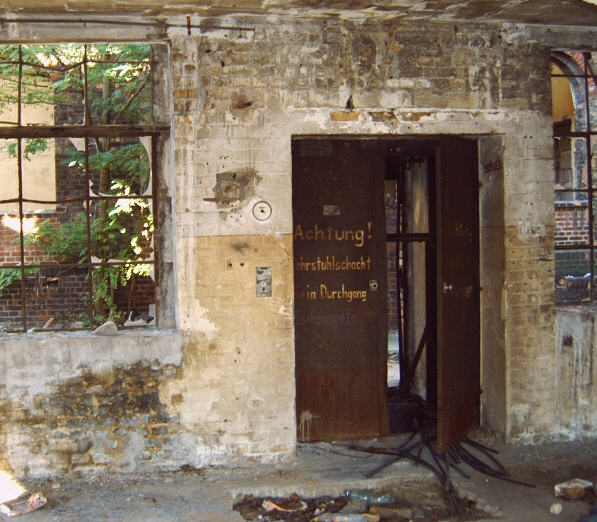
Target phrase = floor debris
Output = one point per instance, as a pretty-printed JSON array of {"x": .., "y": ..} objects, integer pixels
[
  {"x": 292, "y": 508},
  {"x": 420, "y": 448},
  {"x": 575, "y": 489},
  {"x": 269, "y": 505},
  {"x": 16, "y": 508},
  {"x": 346, "y": 509}
]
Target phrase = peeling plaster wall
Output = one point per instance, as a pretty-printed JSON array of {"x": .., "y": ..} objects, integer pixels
[
  {"x": 222, "y": 388},
  {"x": 90, "y": 403},
  {"x": 236, "y": 388},
  {"x": 576, "y": 337}
]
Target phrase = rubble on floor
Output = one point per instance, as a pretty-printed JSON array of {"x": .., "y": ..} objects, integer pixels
[
  {"x": 20, "y": 507},
  {"x": 355, "y": 506},
  {"x": 575, "y": 489},
  {"x": 208, "y": 494}
]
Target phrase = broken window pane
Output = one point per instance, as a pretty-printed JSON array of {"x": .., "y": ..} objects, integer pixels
[
  {"x": 570, "y": 167},
  {"x": 573, "y": 275},
  {"x": 57, "y": 298},
  {"x": 575, "y": 172},
  {"x": 9, "y": 85},
  {"x": 10, "y": 230},
  {"x": 56, "y": 238},
  {"x": 78, "y": 209},
  {"x": 39, "y": 174},
  {"x": 11, "y": 316},
  {"x": 119, "y": 166}
]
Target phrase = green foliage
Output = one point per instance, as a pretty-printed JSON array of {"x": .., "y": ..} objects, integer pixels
[
  {"x": 66, "y": 243},
  {"x": 32, "y": 146},
  {"x": 8, "y": 276},
  {"x": 117, "y": 76},
  {"x": 119, "y": 92},
  {"x": 127, "y": 163}
]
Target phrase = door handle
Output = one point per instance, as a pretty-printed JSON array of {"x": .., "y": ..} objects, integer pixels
[{"x": 447, "y": 287}]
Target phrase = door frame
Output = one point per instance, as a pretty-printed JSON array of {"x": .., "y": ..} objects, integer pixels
[{"x": 491, "y": 268}]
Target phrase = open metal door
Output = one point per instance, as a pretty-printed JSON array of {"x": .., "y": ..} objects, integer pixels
[
  {"x": 340, "y": 289},
  {"x": 458, "y": 379}
]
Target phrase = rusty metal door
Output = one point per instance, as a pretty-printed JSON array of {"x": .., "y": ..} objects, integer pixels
[
  {"x": 340, "y": 289},
  {"x": 458, "y": 371}
]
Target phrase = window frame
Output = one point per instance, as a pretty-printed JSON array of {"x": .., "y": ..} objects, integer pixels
[
  {"x": 88, "y": 130},
  {"x": 579, "y": 77}
]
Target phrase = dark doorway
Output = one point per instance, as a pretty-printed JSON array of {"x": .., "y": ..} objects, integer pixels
[{"x": 386, "y": 263}]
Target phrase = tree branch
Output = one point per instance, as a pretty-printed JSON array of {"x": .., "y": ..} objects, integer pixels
[{"x": 131, "y": 99}]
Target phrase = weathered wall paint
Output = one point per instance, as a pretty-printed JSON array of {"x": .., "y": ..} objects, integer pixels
[
  {"x": 222, "y": 388},
  {"x": 236, "y": 386},
  {"x": 575, "y": 352},
  {"x": 89, "y": 402}
]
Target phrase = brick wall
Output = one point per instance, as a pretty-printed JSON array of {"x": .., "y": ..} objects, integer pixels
[
  {"x": 59, "y": 293},
  {"x": 9, "y": 237},
  {"x": 572, "y": 223}
]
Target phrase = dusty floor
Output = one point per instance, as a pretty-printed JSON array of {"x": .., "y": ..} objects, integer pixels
[{"x": 208, "y": 495}]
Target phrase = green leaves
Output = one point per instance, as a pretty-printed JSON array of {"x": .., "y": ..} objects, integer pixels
[
  {"x": 8, "y": 276},
  {"x": 118, "y": 79},
  {"x": 32, "y": 146}
]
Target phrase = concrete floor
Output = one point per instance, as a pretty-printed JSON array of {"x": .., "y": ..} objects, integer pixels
[{"x": 207, "y": 495}]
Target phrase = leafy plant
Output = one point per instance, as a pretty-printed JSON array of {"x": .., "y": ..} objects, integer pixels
[{"x": 8, "y": 276}]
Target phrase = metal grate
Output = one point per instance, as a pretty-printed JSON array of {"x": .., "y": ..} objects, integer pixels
[{"x": 104, "y": 142}]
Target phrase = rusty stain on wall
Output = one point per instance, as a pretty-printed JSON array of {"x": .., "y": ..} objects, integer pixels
[
  {"x": 414, "y": 116},
  {"x": 235, "y": 186}
]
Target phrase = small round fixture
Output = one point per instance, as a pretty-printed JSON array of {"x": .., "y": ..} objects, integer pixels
[{"x": 262, "y": 210}]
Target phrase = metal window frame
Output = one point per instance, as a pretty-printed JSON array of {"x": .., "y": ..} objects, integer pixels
[
  {"x": 586, "y": 77},
  {"x": 88, "y": 130}
]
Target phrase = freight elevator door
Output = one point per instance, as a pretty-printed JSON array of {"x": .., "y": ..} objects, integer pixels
[
  {"x": 340, "y": 288},
  {"x": 458, "y": 373}
]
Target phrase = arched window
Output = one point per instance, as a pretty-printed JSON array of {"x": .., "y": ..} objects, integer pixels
[{"x": 574, "y": 97}]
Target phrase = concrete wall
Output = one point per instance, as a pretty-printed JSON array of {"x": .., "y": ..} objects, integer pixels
[
  {"x": 576, "y": 341},
  {"x": 222, "y": 387}
]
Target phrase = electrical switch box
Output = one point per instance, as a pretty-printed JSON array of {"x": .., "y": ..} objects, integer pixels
[{"x": 263, "y": 277}]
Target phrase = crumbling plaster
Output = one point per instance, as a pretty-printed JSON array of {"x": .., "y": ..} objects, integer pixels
[{"x": 225, "y": 378}]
